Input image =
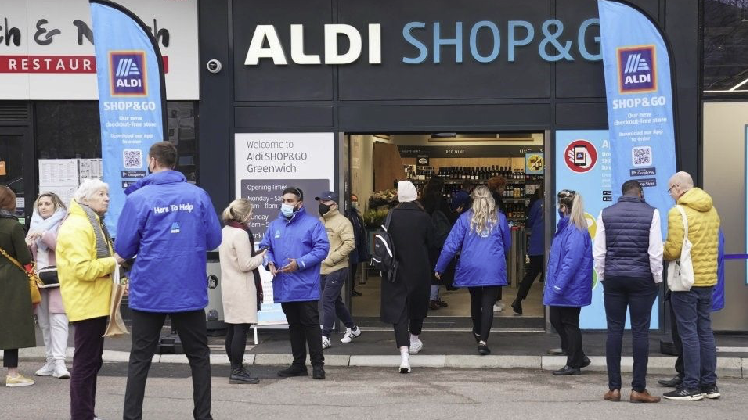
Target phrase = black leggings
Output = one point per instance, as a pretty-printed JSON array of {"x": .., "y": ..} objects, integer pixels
[
  {"x": 236, "y": 342},
  {"x": 10, "y": 358},
  {"x": 481, "y": 308},
  {"x": 405, "y": 326}
]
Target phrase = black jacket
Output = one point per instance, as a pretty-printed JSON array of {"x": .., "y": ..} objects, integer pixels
[{"x": 412, "y": 235}]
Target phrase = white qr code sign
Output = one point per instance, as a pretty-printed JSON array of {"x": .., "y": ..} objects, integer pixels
[
  {"x": 642, "y": 156},
  {"x": 132, "y": 158}
]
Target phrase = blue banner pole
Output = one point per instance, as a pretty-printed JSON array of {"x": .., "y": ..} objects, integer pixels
[{"x": 132, "y": 98}]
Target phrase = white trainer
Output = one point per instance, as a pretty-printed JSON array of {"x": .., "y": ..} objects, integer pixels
[
  {"x": 498, "y": 307},
  {"x": 404, "y": 363},
  {"x": 350, "y": 334},
  {"x": 326, "y": 342},
  {"x": 415, "y": 346},
  {"x": 60, "y": 371},
  {"x": 47, "y": 370}
]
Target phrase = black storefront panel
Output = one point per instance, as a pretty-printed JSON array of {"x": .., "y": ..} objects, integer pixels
[
  {"x": 267, "y": 81},
  {"x": 527, "y": 77}
]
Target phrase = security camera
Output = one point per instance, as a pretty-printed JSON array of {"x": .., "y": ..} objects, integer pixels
[{"x": 214, "y": 66}]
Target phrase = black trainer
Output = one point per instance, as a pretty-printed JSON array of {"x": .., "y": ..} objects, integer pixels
[
  {"x": 683, "y": 394},
  {"x": 239, "y": 375},
  {"x": 567, "y": 370},
  {"x": 673, "y": 382},
  {"x": 585, "y": 362},
  {"x": 483, "y": 349},
  {"x": 318, "y": 372},
  {"x": 517, "y": 306},
  {"x": 293, "y": 370},
  {"x": 711, "y": 392}
]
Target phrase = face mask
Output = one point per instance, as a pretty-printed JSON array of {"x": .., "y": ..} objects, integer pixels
[
  {"x": 287, "y": 210},
  {"x": 561, "y": 214},
  {"x": 323, "y": 209},
  {"x": 355, "y": 205}
]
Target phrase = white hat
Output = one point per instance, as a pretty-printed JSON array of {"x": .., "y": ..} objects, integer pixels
[{"x": 406, "y": 192}]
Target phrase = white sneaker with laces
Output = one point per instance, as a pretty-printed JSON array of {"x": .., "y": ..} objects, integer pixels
[
  {"x": 47, "y": 370},
  {"x": 498, "y": 307},
  {"x": 415, "y": 345},
  {"x": 326, "y": 342},
  {"x": 60, "y": 371},
  {"x": 350, "y": 334}
]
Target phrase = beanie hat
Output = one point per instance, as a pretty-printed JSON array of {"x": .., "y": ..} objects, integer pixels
[{"x": 406, "y": 192}]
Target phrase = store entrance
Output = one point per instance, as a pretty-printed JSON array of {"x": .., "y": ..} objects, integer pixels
[{"x": 512, "y": 164}]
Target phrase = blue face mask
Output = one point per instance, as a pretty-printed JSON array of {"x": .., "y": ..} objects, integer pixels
[
  {"x": 561, "y": 214},
  {"x": 287, "y": 210}
]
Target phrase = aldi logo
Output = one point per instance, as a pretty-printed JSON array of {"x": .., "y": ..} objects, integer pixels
[
  {"x": 636, "y": 69},
  {"x": 127, "y": 73}
]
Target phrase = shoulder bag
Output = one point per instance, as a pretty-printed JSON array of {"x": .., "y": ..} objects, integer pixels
[
  {"x": 34, "y": 281},
  {"x": 680, "y": 275}
]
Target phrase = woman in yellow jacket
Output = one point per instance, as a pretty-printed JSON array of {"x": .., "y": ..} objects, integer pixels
[{"x": 85, "y": 263}]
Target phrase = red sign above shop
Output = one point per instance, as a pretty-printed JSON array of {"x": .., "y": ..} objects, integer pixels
[
  {"x": 580, "y": 156},
  {"x": 48, "y": 64}
]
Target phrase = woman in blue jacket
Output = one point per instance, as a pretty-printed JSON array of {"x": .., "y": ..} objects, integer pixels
[
  {"x": 482, "y": 235},
  {"x": 568, "y": 285}
]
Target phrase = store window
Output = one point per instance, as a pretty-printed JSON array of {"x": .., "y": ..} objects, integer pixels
[
  {"x": 70, "y": 130},
  {"x": 725, "y": 49}
]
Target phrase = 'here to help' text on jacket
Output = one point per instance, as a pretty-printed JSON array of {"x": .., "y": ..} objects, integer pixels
[{"x": 170, "y": 225}]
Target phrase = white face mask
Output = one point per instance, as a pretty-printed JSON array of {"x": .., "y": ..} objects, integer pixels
[{"x": 287, "y": 210}]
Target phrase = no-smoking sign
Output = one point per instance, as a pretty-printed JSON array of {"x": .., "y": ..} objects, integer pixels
[{"x": 580, "y": 156}]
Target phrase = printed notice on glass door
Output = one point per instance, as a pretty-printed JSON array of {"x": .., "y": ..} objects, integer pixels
[{"x": 268, "y": 163}]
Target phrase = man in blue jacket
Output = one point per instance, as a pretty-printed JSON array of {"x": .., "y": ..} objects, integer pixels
[
  {"x": 169, "y": 225},
  {"x": 536, "y": 249},
  {"x": 297, "y": 243}
]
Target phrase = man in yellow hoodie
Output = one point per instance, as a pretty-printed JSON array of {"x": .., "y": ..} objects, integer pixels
[{"x": 692, "y": 308}]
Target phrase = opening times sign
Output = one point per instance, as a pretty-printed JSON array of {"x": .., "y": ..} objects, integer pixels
[{"x": 268, "y": 163}]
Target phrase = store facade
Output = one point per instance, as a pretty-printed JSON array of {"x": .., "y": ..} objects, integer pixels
[{"x": 391, "y": 69}]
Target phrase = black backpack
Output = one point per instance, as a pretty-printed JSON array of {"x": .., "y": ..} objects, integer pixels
[{"x": 383, "y": 254}]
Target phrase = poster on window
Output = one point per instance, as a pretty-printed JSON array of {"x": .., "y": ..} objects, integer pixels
[
  {"x": 583, "y": 164},
  {"x": 268, "y": 163}
]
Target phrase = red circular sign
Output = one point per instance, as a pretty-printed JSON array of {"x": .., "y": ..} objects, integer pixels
[{"x": 580, "y": 156}]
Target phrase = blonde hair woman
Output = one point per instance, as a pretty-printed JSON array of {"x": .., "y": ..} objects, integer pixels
[
  {"x": 482, "y": 236},
  {"x": 42, "y": 240},
  {"x": 568, "y": 285},
  {"x": 240, "y": 281}
]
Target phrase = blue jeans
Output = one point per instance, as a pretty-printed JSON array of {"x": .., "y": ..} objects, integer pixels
[
  {"x": 638, "y": 295},
  {"x": 332, "y": 302},
  {"x": 692, "y": 312}
]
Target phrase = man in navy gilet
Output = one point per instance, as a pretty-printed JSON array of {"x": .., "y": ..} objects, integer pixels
[{"x": 628, "y": 260}]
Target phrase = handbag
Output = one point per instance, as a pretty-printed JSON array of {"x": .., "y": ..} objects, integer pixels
[
  {"x": 34, "y": 281},
  {"x": 680, "y": 275},
  {"x": 116, "y": 325},
  {"x": 49, "y": 278}
]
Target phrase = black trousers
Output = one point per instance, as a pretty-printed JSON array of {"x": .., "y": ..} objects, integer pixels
[
  {"x": 87, "y": 360},
  {"x": 146, "y": 332},
  {"x": 481, "y": 308},
  {"x": 10, "y": 358},
  {"x": 566, "y": 322},
  {"x": 236, "y": 342},
  {"x": 406, "y": 326},
  {"x": 536, "y": 267},
  {"x": 303, "y": 327}
]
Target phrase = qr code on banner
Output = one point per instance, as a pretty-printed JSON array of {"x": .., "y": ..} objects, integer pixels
[
  {"x": 642, "y": 156},
  {"x": 133, "y": 158}
]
